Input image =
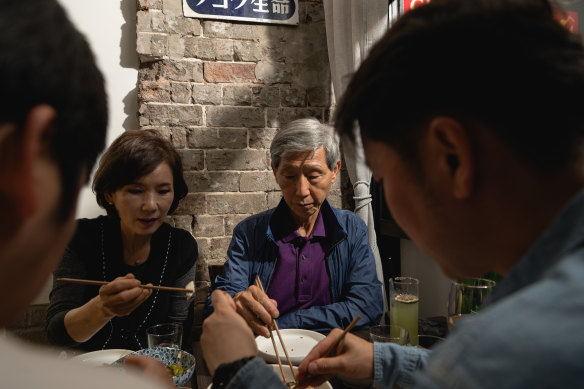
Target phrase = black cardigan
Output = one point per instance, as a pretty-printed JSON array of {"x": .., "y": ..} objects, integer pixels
[{"x": 171, "y": 262}]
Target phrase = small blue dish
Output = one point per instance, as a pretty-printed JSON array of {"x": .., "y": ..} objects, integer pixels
[{"x": 168, "y": 356}]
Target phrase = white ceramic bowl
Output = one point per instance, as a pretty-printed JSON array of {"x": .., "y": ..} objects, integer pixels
[{"x": 298, "y": 344}]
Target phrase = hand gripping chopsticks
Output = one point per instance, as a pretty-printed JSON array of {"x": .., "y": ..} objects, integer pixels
[
  {"x": 258, "y": 283},
  {"x": 329, "y": 351}
]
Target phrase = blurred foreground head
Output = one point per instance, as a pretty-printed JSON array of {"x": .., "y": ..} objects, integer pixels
[
  {"x": 53, "y": 119},
  {"x": 470, "y": 114}
]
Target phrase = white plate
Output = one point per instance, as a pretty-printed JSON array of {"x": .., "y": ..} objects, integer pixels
[
  {"x": 289, "y": 377},
  {"x": 298, "y": 343},
  {"x": 101, "y": 357}
]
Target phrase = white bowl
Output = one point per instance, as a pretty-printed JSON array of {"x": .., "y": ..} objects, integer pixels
[{"x": 298, "y": 344}]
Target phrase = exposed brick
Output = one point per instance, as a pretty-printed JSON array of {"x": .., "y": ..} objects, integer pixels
[
  {"x": 180, "y": 70},
  {"x": 261, "y": 138},
  {"x": 274, "y": 199},
  {"x": 272, "y": 50},
  {"x": 276, "y": 118},
  {"x": 192, "y": 204},
  {"x": 214, "y": 29},
  {"x": 293, "y": 97},
  {"x": 208, "y": 226},
  {"x": 271, "y": 72},
  {"x": 199, "y": 47},
  {"x": 183, "y": 26},
  {"x": 266, "y": 96},
  {"x": 172, "y": 7},
  {"x": 246, "y": 51},
  {"x": 334, "y": 197},
  {"x": 153, "y": 91},
  {"x": 176, "y": 47},
  {"x": 207, "y": 94},
  {"x": 233, "y": 138},
  {"x": 319, "y": 96},
  {"x": 202, "y": 138},
  {"x": 193, "y": 159},
  {"x": 231, "y": 221},
  {"x": 180, "y": 92},
  {"x": 235, "y": 117},
  {"x": 229, "y": 72},
  {"x": 185, "y": 115},
  {"x": 258, "y": 181},
  {"x": 223, "y": 204},
  {"x": 236, "y": 160},
  {"x": 237, "y": 95},
  {"x": 214, "y": 250},
  {"x": 212, "y": 181},
  {"x": 183, "y": 221},
  {"x": 149, "y": 4}
]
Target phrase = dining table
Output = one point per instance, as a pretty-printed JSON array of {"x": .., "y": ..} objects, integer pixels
[{"x": 427, "y": 326}]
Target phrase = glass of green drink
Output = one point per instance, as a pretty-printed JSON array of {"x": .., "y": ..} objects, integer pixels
[
  {"x": 403, "y": 305},
  {"x": 466, "y": 297}
]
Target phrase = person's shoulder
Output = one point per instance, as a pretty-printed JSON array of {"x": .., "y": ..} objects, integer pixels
[{"x": 348, "y": 218}]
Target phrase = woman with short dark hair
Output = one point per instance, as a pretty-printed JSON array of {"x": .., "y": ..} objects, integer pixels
[{"x": 139, "y": 182}]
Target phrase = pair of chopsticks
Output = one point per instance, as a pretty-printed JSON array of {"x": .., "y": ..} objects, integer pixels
[
  {"x": 93, "y": 282},
  {"x": 331, "y": 349},
  {"x": 258, "y": 283}
]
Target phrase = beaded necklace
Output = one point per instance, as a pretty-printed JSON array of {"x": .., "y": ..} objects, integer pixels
[{"x": 103, "y": 270}]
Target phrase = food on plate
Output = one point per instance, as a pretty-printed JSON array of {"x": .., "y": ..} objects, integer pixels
[{"x": 175, "y": 370}]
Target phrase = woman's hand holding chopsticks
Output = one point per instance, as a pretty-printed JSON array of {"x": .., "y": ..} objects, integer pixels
[{"x": 353, "y": 357}]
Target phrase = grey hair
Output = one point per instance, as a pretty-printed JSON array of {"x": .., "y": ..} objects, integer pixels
[{"x": 304, "y": 135}]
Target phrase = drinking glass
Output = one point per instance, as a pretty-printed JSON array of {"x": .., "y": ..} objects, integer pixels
[
  {"x": 466, "y": 297},
  {"x": 403, "y": 305},
  {"x": 165, "y": 335},
  {"x": 386, "y": 333},
  {"x": 428, "y": 341}
]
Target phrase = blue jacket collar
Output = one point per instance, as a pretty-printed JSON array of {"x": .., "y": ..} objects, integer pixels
[{"x": 333, "y": 228}]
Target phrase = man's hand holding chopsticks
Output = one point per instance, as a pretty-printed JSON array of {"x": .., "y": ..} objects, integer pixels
[
  {"x": 257, "y": 309},
  {"x": 226, "y": 336},
  {"x": 353, "y": 358}
]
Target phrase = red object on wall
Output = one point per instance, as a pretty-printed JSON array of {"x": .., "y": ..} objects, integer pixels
[
  {"x": 411, "y": 4},
  {"x": 568, "y": 19}
]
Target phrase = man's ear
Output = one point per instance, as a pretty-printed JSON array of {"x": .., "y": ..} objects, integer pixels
[
  {"x": 26, "y": 150},
  {"x": 336, "y": 170},
  {"x": 274, "y": 171},
  {"x": 450, "y": 146}
]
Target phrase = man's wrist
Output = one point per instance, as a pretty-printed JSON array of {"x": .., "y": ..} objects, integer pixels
[{"x": 226, "y": 371}]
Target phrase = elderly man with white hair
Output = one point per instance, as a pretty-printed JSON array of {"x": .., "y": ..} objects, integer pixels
[{"x": 314, "y": 260}]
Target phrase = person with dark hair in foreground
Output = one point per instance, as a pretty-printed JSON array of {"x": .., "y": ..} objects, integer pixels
[
  {"x": 53, "y": 118},
  {"x": 471, "y": 120},
  {"x": 139, "y": 182}
]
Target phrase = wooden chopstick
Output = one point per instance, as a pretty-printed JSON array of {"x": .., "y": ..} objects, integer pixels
[
  {"x": 259, "y": 285},
  {"x": 332, "y": 347},
  {"x": 93, "y": 282}
]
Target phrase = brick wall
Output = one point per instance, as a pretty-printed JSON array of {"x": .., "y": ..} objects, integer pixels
[{"x": 220, "y": 91}]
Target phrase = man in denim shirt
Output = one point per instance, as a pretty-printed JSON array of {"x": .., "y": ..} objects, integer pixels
[{"x": 471, "y": 118}]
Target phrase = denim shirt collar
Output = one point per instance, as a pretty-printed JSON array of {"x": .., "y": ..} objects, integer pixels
[{"x": 563, "y": 236}]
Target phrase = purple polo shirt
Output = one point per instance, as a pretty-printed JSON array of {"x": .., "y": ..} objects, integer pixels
[{"x": 300, "y": 279}]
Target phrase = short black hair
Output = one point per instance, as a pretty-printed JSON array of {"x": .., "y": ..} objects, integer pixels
[
  {"x": 44, "y": 59},
  {"x": 132, "y": 155},
  {"x": 508, "y": 64}
]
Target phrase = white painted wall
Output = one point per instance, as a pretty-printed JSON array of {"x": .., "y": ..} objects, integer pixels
[
  {"x": 434, "y": 286},
  {"x": 110, "y": 28}
]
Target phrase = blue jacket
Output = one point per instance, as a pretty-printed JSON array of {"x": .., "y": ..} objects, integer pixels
[{"x": 355, "y": 289}]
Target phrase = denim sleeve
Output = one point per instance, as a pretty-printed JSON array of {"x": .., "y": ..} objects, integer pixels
[
  {"x": 396, "y": 365},
  {"x": 256, "y": 374}
]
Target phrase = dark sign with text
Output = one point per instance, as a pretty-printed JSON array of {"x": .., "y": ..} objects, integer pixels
[{"x": 259, "y": 11}]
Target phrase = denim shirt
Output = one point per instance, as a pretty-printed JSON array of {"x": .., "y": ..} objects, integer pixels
[{"x": 528, "y": 335}]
